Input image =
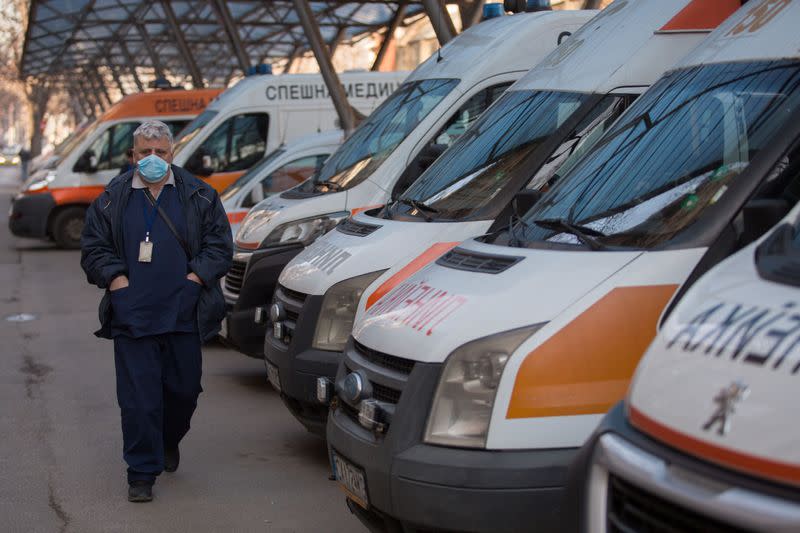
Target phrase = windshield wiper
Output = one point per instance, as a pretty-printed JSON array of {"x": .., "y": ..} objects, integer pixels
[
  {"x": 585, "y": 234},
  {"x": 330, "y": 185},
  {"x": 422, "y": 207}
]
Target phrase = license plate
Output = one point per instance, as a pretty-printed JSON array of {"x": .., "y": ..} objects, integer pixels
[
  {"x": 223, "y": 330},
  {"x": 274, "y": 376},
  {"x": 351, "y": 479}
]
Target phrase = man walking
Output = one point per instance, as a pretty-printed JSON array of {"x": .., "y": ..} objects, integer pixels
[{"x": 158, "y": 241}]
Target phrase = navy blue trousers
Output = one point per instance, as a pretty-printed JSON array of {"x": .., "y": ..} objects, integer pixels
[{"x": 158, "y": 382}]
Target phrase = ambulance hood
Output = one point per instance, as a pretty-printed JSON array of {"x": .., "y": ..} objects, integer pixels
[
  {"x": 340, "y": 255},
  {"x": 719, "y": 380},
  {"x": 442, "y": 308},
  {"x": 630, "y": 43}
]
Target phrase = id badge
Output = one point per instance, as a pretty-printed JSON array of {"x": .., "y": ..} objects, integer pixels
[{"x": 145, "y": 252}]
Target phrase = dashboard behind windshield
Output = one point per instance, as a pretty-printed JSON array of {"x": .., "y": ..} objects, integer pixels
[
  {"x": 377, "y": 137},
  {"x": 675, "y": 152}
]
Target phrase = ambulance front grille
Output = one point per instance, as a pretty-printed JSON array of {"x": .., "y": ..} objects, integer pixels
[
  {"x": 461, "y": 259},
  {"x": 235, "y": 276},
  {"x": 404, "y": 366},
  {"x": 357, "y": 229},
  {"x": 632, "y": 510}
]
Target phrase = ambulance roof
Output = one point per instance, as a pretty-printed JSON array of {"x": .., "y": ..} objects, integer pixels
[
  {"x": 161, "y": 103},
  {"x": 630, "y": 43},
  {"x": 309, "y": 87},
  {"x": 502, "y": 44},
  {"x": 761, "y": 29}
]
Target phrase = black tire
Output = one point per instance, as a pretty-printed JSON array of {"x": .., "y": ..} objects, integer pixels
[{"x": 67, "y": 227}]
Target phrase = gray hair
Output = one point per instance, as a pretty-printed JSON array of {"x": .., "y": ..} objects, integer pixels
[{"x": 153, "y": 129}]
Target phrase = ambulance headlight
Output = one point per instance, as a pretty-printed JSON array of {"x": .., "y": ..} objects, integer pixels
[
  {"x": 40, "y": 185},
  {"x": 467, "y": 388},
  {"x": 304, "y": 231},
  {"x": 339, "y": 311}
]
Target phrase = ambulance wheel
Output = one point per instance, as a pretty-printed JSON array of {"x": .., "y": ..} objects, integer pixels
[{"x": 67, "y": 227}]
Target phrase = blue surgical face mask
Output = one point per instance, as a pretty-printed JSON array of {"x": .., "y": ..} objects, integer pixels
[{"x": 152, "y": 168}]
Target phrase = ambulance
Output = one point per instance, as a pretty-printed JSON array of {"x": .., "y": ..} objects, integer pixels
[
  {"x": 434, "y": 107},
  {"x": 284, "y": 168},
  {"x": 551, "y": 114},
  {"x": 706, "y": 439},
  {"x": 475, "y": 373},
  {"x": 53, "y": 201},
  {"x": 262, "y": 112}
]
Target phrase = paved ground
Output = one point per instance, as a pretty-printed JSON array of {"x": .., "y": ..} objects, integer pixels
[{"x": 247, "y": 465}]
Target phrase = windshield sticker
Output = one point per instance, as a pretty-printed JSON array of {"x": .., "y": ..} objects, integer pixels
[
  {"x": 754, "y": 335},
  {"x": 418, "y": 305}
]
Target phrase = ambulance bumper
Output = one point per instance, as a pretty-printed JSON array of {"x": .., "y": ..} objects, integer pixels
[
  {"x": 260, "y": 278},
  {"x": 300, "y": 365},
  {"x": 412, "y": 486},
  {"x": 622, "y": 473},
  {"x": 29, "y": 214}
]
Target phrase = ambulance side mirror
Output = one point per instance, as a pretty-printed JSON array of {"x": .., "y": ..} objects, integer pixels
[
  {"x": 760, "y": 215},
  {"x": 86, "y": 163},
  {"x": 199, "y": 165}
]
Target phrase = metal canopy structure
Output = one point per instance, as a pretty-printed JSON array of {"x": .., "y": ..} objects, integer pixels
[{"x": 87, "y": 44}]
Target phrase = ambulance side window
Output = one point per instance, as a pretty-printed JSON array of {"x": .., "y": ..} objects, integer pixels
[
  {"x": 286, "y": 177},
  {"x": 236, "y": 144},
  {"x": 248, "y": 140},
  {"x": 121, "y": 142}
]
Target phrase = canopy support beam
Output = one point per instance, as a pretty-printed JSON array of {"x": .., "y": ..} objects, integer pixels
[
  {"x": 183, "y": 47},
  {"x": 150, "y": 51},
  {"x": 440, "y": 20},
  {"x": 388, "y": 37},
  {"x": 323, "y": 56},
  {"x": 233, "y": 34},
  {"x": 131, "y": 65}
]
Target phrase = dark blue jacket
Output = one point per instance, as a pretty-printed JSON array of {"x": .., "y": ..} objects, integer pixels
[{"x": 209, "y": 240}]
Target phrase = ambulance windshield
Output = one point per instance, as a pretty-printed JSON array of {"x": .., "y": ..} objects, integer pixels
[
  {"x": 377, "y": 137},
  {"x": 675, "y": 152},
  {"x": 193, "y": 128},
  {"x": 498, "y": 148}
]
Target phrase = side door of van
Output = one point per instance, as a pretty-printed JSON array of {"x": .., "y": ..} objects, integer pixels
[
  {"x": 458, "y": 121},
  {"x": 235, "y": 145}
]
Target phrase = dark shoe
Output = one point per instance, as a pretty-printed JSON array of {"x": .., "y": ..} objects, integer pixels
[
  {"x": 172, "y": 458},
  {"x": 140, "y": 491}
]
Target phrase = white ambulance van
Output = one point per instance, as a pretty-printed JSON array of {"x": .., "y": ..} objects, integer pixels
[
  {"x": 282, "y": 169},
  {"x": 472, "y": 377},
  {"x": 518, "y": 144},
  {"x": 53, "y": 201},
  {"x": 706, "y": 439},
  {"x": 262, "y": 112},
  {"x": 436, "y": 105}
]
